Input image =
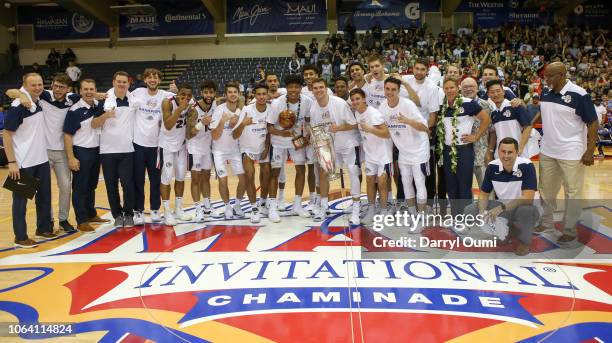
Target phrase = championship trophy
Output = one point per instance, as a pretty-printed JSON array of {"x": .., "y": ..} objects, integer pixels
[
  {"x": 323, "y": 144},
  {"x": 286, "y": 120}
]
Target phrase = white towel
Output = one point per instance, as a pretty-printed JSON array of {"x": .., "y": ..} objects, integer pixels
[
  {"x": 33, "y": 106},
  {"x": 111, "y": 99}
]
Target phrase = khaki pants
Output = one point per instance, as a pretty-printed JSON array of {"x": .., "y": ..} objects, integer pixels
[
  {"x": 554, "y": 172},
  {"x": 58, "y": 161}
]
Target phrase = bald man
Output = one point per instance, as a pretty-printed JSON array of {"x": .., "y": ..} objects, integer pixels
[
  {"x": 567, "y": 115},
  {"x": 469, "y": 89}
]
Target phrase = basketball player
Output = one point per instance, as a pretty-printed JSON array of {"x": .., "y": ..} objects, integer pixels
[
  {"x": 252, "y": 134},
  {"x": 146, "y": 139},
  {"x": 82, "y": 146},
  {"x": 377, "y": 145},
  {"x": 282, "y": 145},
  {"x": 409, "y": 132},
  {"x": 173, "y": 151},
  {"x": 356, "y": 72},
  {"x": 337, "y": 115},
  {"x": 341, "y": 88},
  {"x": 225, "y": 148},
  {"x": 199, "y": 144},
  {"x": 274, "y": 91},
  {"x": 117, "y": 148}
]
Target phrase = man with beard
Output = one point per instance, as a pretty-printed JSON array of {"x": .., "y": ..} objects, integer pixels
[
  {"x": 199, "y": 143},
  {"x": 282, "y": 145},
  {"x": 341, "y": 123},
  {"x": 274, "y": 91},
  {"x": 428, "y": 93},
  {"x": 117, "y": 148},
  {"x": 341, "y": 88},
  {"x": 253, "y": 139},
  {"x": 225, "y": 149},
  {"x": 173, "y": 159},
  {"x": 146, "y": 135}
]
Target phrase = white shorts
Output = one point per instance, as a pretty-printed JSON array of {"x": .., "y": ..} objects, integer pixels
[
  {"x": 348, "y": 157},
  {"x": 310, "y": 155},
  {"x": 199, "y": 162},
  {"x": 279, "y": 156},
  {"x": 221, "y": 159},
  {"x": 174, "y": 165},
  {"x": 374, "y": 169},
  {"x": 255, "y": 157}
]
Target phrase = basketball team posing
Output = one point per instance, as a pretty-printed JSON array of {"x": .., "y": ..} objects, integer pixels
[{"x": 390, "y": 123}]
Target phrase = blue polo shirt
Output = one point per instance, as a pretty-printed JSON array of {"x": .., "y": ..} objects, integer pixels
[{"x": 508, "y": 186}]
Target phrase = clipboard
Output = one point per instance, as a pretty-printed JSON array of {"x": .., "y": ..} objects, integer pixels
[{"x": 26, "y": 186}]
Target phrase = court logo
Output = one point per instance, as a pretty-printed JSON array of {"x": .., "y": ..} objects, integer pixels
[{"x": 82, "y": 23}]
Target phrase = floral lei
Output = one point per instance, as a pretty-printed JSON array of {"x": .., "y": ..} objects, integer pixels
[{"x": 440, "y": 131}]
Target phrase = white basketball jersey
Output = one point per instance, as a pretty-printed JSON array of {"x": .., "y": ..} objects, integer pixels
[
  {"x": 201, "y": 143},
  {"x": 173, "y": 139}
]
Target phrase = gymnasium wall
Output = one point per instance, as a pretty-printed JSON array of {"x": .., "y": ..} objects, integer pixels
[{"x": 162, "y": 50}]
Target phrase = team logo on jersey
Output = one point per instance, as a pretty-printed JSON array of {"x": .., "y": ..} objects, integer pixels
[
  {"x": 461, "y": 110},
  {"x": 168, "y": 164},
  {"x": 152, "y": 103},
  {"x": 518, "y": 173},
  {"x": 567, "y": 98},
  {"x": 81, "y": 23},
  {"x": 507, "y": 113},
  {"x": 150, "y": 117}
]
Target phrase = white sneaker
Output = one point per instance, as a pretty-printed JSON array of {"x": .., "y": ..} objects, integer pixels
[
  {"x": 139, "y": 218},
  {"x": 207, "y": 210},
  {"x": 300, "y": 211},
  {"x": 199, "y": 215},
  {"x": 237, "y": 210},
  {"x": 254, "y": 216},
  {"x": 155, "y": 216},
  {"x": 355, "y": 220},
  {"x": 319, "y": 215},
  {"x": 169, "y": 219},
  {"x": 229, "y": 212},
  {"x": 282, "y": 205},
  {"x": 273, "y": 215},
  {"x": 182, "y": 216},
  {"x": 263, "y": 209}
]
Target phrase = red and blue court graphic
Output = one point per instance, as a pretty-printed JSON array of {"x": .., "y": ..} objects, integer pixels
[{"x": 231, "y": 281}]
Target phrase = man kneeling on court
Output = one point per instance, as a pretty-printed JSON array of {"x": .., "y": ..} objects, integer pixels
[{"x": 514, "y": 180}]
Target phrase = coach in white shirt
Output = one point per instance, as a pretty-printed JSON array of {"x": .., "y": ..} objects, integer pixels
[
  {"x": 569, "y": 123},
  {"x": 25, "y": 148}
]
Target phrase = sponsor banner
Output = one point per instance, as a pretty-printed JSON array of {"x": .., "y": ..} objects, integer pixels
[
  {"x": 386, "y": 13},
  {"x": 56, "y": 23},
  {"x": 276, "y": 16},
  {"x": 191, "y": 19},
  {"x": 488, "y": 14},
  {"x": 592, "y": 13}
]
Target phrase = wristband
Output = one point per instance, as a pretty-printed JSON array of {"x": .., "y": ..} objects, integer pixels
[{"x": 199, "y": 126}]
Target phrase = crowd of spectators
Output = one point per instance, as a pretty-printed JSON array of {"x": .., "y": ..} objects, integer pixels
[{"x": 520, "y": 52}]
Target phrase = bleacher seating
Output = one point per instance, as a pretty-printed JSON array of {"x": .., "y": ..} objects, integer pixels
[{"x": 222, "y": 70}]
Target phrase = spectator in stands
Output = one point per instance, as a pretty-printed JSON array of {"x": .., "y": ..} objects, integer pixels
[
  {"x": 534, "y": 106},
  {"x": 74, "y": 73},
  {"x": 138, "y": 82},
  {"x": 54, "y": 59},
  {"x": 326, "y": 70},
  {"x": 349, "y": 30},
  {"x": 336, "y": 62},
  {"x": 68, "y": 57},
  {"x": 313, "y": 48},
  {"x": 260, "y": 75},
  {"x": 294, "y": 65},
  {"x": 300, "y": 52}
]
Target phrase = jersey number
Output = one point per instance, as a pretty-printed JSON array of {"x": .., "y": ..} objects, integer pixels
[{"x": 180, "y": 123}]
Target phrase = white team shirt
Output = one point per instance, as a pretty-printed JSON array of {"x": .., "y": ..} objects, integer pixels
[
  {"x": 226, "y": 144},
  {"x": 174, "y": 139},
  {"x": 280, "y": 104},
  {"x": 413, "y": 145},
  {"x": 428, "y": 95},
  {"x": 336, "y": 111},
  {"x": 28, "y": 141},
  {"x": 117, "y": 133},
  {"x": 148, "y": 116},
  {"x": 54, "y": 112},
  {"x": 78, "y": 124},
  {"x": 201, "y": 144},
  {"x": 253, "y": 136},
  {"x": 377, "y": 150},
  {"x": 375, "y": 92}
]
